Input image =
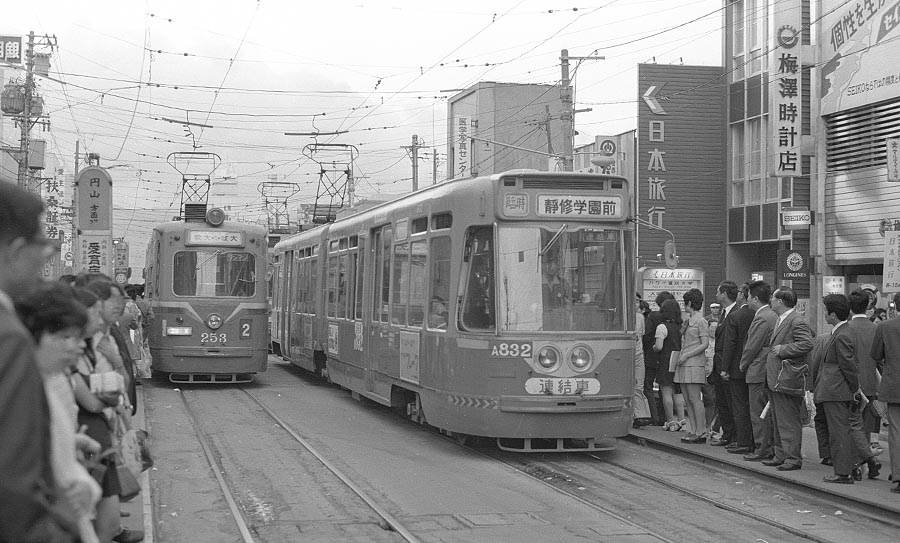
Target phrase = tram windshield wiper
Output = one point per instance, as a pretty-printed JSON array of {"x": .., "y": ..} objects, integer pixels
[
  {"x": 554, "y": 239},
  {"x": 212, "y": 256}
]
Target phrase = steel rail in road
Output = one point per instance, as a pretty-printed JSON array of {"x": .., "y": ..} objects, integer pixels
[
  {"x": 731, "y": 508},
  {"x": 217, "y": 471},
  {"x": 390, "y": 522}
]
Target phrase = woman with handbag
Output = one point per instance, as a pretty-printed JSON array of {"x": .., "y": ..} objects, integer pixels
[
  {"x": 690, "y": 372},
  {"x": 96, "y": 407},
  {"x": 668, "y": 341}
]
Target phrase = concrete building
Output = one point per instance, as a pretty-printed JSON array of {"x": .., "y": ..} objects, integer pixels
[
  {"x": 495, "y": 127},
  {"x": 813, "y": 105}
]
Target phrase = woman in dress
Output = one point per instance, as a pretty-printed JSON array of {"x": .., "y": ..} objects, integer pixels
[
  {"x": 691, "y": 370},
  {"x": 668, "y": 340}
]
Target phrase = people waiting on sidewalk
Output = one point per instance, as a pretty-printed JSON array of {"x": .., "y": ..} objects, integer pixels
[
  {"x": 886, "y": 349},
  {"x": 753, "y": 365}
]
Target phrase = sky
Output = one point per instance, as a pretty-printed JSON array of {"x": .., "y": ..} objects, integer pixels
[{"x": 127, "y": 76}]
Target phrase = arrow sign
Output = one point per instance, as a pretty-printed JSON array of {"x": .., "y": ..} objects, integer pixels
[{"x": 651, "y": 101}]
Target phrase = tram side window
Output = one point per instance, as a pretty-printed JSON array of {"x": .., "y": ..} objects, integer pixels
[
  {"x": 418, "y": 272},
  {"x": 342, "y": 286},
  {"x": 478, "y": 302},
  {"x": 400, "y": 284},
  {"x": 360, "y": 277},
  {"x": 331, "y": 285},
  {"x": 382, "y": 242},
  {"x": 184, "y": 275},
  {"x": 439, "y": 285}
]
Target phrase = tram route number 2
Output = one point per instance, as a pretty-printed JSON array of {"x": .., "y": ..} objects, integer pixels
[{"x": 511, "y": 349}]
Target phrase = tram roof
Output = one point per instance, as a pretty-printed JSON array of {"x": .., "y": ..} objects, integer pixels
[{"x": 430, "y": 192}]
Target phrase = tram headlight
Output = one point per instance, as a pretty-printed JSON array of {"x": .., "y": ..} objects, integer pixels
[
  {"x": 580, "y": 357},
  {"x": 214, "y": 321},
  {"x": 548, "y": 358}
]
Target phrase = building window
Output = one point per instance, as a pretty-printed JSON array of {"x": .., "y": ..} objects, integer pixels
[{"x": 737, "y": 17}]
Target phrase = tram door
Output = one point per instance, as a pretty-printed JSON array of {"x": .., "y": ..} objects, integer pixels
[{"x": 380, "y": 335}]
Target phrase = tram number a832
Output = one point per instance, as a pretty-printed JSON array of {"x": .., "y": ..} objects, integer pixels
[{"x": 511, "y": 349}]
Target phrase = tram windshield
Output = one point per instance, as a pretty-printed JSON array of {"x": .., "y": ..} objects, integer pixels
[
  {"x": 560, "y": 278},
  {"x": 214, "y": 272}
]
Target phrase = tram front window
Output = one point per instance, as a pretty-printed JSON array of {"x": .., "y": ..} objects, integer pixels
[
  {"x": 214, "y": 272},
  {"x": 560, "y": 279}
]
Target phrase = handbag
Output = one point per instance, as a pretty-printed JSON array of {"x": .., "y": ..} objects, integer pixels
[
  {"x": 791, "y": 378},
  {"x": 129, "y": 486},
  {"x": 674, "y": 358}
]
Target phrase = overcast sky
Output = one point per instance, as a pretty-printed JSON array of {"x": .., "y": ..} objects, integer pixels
[{"x": 382, "y": 70}]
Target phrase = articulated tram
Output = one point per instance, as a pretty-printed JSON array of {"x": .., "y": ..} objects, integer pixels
[
  {"x": 499, "y": 306},
  {"x": 205, "y": 281}
]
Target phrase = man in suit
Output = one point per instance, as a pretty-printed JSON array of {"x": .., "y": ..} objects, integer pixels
[
  {"x": 753, "y": 365},
  {"x": 820, "y": 422},
  {"x": 792, "y": 339},
  {"x": 869, "y": 369},
  {"x": 837, "y": 384},
  {"x": 726, "y": 296},
  {"x": 735, "y": 337},
  {"x": 886, "y": 349},
  {"x": 25, "y": 472}
]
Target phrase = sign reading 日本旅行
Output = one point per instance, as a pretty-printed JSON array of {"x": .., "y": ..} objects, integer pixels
[
  {"x": 567, "y": 206},
  {"x": 891, "y": 279}
]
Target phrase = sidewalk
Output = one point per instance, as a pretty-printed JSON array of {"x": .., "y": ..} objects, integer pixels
[
  {"x": 871, "y": 494},
  {"x": 139, "y": 509}
]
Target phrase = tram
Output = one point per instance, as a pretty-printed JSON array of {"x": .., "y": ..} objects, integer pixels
[
  {"x": 205, "y": 281},
  {"x": 498, "y": 306}
]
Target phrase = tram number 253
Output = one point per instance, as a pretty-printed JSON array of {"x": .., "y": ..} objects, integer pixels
[
  {"x": 508, "y": 349},
  {"x": 207, "y": 337}
]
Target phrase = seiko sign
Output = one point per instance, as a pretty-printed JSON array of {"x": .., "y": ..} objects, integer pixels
[{"x": 796, "y": 218}]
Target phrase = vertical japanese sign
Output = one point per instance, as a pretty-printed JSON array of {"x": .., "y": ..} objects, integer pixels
[
  {"x": 462, "y": 166},
  {"x": 785, "y": 92},
  {"x": 93, "y": 221},
  {"x": 891, "y": 261},
  {"x": 893, "y": 159}
]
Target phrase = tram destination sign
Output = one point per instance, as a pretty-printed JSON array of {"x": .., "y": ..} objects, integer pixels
[
  {"x": 575, "y": 206},
  {"x": 215, "y": 237}
]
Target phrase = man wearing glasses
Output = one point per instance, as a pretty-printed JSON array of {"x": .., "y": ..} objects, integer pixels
[{"x": 25, "y": 476}]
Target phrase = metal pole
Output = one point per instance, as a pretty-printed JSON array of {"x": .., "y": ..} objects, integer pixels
[
  {"x": 434, "y": 166},
  {"x": 415, "y": 163},
  {"x": 25, "y": 126},
  {"x": 565, "y": 96}
]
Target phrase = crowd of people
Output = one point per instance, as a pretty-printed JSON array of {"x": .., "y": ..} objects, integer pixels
[
  {"x": 749, "y": 376},
  {"x": 68, "y": 372}
]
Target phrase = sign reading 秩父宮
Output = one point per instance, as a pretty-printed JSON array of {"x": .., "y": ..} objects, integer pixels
[{"x": 785, "y": 92}]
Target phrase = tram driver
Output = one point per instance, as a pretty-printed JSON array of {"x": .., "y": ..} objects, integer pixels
[{"x": 437, "y": 318}]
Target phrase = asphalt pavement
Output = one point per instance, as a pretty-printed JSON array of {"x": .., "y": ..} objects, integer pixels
[{"x": 874, "y": 494}]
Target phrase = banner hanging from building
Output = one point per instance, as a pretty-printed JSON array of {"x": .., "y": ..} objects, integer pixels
[
  {"x": 786, "y": 89},
  {"x": 93, "y": 197},
  {"x": 95, "y": 252},
  {"x": 858, "y": 40}
]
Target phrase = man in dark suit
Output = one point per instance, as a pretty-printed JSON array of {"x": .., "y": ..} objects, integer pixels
[
  {"x": 726, "y": 296},
  {"x": 735, "y": 338},
  {"x": 837, "y": 384},
  {"x": 25, "y": 473},
  {"x": 869, "y": 369},
  {"x": 792, "y": 339},
  {"x": 753, "y": 365},
  {"x": 886, "y": 349}
]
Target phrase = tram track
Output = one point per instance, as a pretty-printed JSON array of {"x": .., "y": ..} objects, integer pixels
[
  {"x": 554, "y": 473},
  {"x": 388, "y": 522}
]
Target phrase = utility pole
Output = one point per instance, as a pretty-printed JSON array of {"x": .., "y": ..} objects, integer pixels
[
  {"x": 568, "y": 114},
  {"x": 434, "y": 166},
  {"x": 24, "y": 173},
  {"x": 413, "y": 151}
]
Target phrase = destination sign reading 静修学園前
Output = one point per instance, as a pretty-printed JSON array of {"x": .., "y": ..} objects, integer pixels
[
  {"x": 215, "y": 237},
  {"x": 589, "y": 207}
]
